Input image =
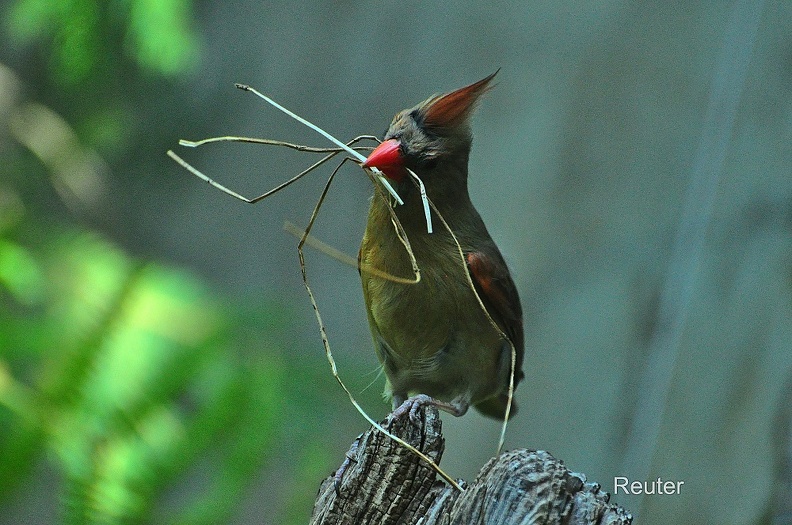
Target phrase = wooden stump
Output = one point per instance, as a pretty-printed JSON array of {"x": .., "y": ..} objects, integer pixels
[{"x": 386, "y": 483}]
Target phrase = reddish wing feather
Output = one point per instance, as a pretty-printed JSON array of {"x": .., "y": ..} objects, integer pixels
[{"x": 499, "y": 295}]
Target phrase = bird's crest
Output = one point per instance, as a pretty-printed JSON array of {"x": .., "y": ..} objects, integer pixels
[{"x": 453, "y": 109}]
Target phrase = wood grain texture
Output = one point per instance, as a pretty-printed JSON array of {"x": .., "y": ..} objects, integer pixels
[{"x": 387, "y": 484}]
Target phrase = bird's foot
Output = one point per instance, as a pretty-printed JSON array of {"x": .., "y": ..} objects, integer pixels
[
  {"x": 338, "y": 477},
  {"x": 414, "y": 404}
]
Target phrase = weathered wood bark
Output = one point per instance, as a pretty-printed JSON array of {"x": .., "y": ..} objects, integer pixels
[{"x": 386, "y": 483}]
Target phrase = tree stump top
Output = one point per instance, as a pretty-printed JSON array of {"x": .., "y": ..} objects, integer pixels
[{"x": 385, "y": 483}]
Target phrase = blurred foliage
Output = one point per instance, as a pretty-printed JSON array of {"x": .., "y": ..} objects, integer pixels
[
  {"x": 147, "y": 394},
  {"x": 144, "y": 391},
  {"x": 90, "y": 59},
  {"x": 156, "y": 34},
  {"x": 125, "y": 374}
]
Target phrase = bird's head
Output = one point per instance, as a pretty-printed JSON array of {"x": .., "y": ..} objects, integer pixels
[{"x": 431, "y": 138}]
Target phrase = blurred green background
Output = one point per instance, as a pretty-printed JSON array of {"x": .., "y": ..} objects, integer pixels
[{"x": 159, "y": 360}]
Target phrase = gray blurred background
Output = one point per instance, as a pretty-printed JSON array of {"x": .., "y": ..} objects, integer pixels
[{"x": 658, "y": 340}]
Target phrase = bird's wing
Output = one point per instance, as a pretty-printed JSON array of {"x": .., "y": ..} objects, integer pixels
[{"x": 496, "y": 288}]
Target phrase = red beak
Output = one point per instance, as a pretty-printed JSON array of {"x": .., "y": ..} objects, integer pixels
[{"x": 388, "y": 158}]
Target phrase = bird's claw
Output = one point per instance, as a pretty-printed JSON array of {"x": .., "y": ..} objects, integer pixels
[
  {"x": 349, "y": 458},
  {"x": 411, "y": 406}
]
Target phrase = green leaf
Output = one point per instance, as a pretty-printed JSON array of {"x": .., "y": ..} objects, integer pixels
[
  {"x": 20, "y": 273},
  {"x": 159, "y": 35}
]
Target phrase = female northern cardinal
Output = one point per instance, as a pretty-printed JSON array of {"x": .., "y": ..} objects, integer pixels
[{"x": 432, "y": 337}]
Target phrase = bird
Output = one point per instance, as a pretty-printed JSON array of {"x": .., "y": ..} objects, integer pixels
[{"x": 434, "y": 342}]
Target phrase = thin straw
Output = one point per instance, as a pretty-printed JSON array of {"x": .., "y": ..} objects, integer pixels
[{"x": 326, "y": 135}]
